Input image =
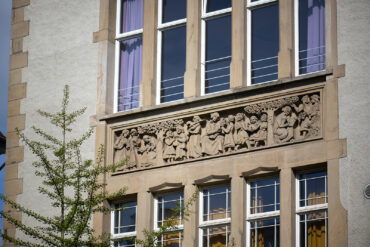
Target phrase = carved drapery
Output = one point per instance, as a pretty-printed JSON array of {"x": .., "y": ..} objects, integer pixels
[{"x": 248, "y": 127}]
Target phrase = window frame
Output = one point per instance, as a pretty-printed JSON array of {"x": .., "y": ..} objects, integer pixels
[
  {"x": 178, "y": 228},
  {"x": 250, "y": 6},
  {"x": 117, "y": 56},
  {"x": 258, "y": 216},
  {"x": 120, "y": 236},
  {"x": 302, "y": 210},
  {"x": 203, "y": 225},
  {"x": 161, "y": 27},
  {"x": 296, "y": 42},
  {"x": 204, "y": 18}
]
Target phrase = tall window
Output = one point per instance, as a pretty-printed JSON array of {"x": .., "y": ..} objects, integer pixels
[
  {"x": 262, "y": 41},
  {"x": 216, "y": 45},
  {"x": 123, "y": 227},
  {"x": 310, "y": 41},
  {"x": 128, "y": 54},
  {"x": 263, "y": 212},
  {"x": 171, "y": 50},
  {"x": 170, "y": 207},
  {"x": 215, "y": 216},
  {"x": 312, "y": 213}
]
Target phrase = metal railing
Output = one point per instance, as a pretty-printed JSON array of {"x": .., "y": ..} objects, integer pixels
[
  {"x": 269, "y": 65},
  {"x": 208, "y": 80}
]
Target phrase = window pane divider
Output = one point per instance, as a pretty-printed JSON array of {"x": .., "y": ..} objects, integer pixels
[
  {"x": 311, "y": 208},
  {"x": 123, "y": 235},
  {"x": 259, "y": 3},
  {"x": 216, "y": 13},
  {"x": 215, "y": 222},
  {"x": 130, "y": 34},
  {"x": 260, "y": 216},
  {"x": 171, "y": 24}
]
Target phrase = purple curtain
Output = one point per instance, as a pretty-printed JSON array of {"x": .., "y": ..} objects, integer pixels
[
  {"x": 130, "y": 74},
  {"x": 132, "y": 15},
  {"x": 315, "y": 36}
]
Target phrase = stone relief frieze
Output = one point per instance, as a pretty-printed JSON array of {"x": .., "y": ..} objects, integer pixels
[{"x": 252, "y": 126}]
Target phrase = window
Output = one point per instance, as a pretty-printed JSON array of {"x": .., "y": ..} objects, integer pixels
[
  {"x": 312, "y": 204},
  {"x": 215, "y": 216},
  {"x": 262, "y": 41},
  {"x": 169, "y": 207},
  {"x": 263, "y": 211},
  {"x": 171, "y": 50},
  {"x": 124, "y": 224},
  {"x": 128, "y": 54},
  {"x": 216, "y": 45},
  {"x": 310, "y": 36}
]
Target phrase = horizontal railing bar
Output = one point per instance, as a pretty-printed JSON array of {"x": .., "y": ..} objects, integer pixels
[
  {"x": 179, "y": 85},
  {"x": 171, "y": 94},
  {"x": 216, "y": 77},
  {"x": 263, "y": 59},
  {"x": 270, "y": 66},
  {"x": 221, "y": 84},
  {"x": 129, "y": 87},
  {"x": 264, "y": 75},
  {"x": 311, "y": 65},
  {"x": 217, "y": 59},
  {"x": 319, "y": 47},
  {"x": 322, "y": 55},
  {"x": 211, "y": 70},
  {"x": 171, "y": 79}
]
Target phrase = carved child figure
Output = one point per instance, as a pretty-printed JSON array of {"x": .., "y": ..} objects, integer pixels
[
  {"x": 134, "y": 146},
  {"x": 241, "y": 136},
  {"x": 169, "y": 152},
  {"x": 193, "y": 145},
  {"x": 212, "y": 141},
  {"x": 283, "y": 126},
  {"x": 228, "y": 130},
  {"x": 180, "y": 143},
  {"x": 147, "y": 151}
]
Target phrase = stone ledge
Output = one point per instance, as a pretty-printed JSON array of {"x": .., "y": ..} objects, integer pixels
[
  {"x": 17, "y": 91},
  {"x": 102, "y": 35},
  {"x": 20, "y": 29},
  {"x": 20, "y": 3},
  {"x": 19, "y": 60}
]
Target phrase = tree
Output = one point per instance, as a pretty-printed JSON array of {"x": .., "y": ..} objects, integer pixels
[{"x": 72, "y": 185}]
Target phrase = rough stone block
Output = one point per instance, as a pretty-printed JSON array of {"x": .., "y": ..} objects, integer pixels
[
  {"x": 17, "y": 15},
  {"x": 14, "y": 155},
  {"x": 20, "y": 3},
  {"x": 17, "y": 91},
  {"x": 20, "y": 29},
  {"x": 15, "y": 76},
  {"x": 11, "y": 172},
  {"x": 14, "y": 122},
  {"x": 12, "y": 140},
  {"x": 18, "y": 60},
  {"x": 13, "y": 187},
  {"x": 17, "y": 45},
  {"x": 14, "y": 107}
]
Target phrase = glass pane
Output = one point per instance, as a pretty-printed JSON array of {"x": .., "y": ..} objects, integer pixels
[
  {"x": 217, "y": 206},
  {"x": 116, "y": 221},
  {"x": 311, "y": 36},
  {"x": 216, "y": 236},
  {"x": 130, "y": 73},
  {"x": 314, "y": 184},
  {"x": 264, "y": 195},
  {"x": 218, "y": 54},
  {"x": 265, "y": 232},
  {"x": 128, "y": 220},
  {"x": 313, "y": 229},
  {"x": 132, "y": 15},
  {"x": 173, "y": 239},
  {"x": 173, "y": 64},
  {"x": 265, "y": 44},
  {"x": 173, "y": 10},
  {"x": 214, "y": 5},
  {"x": 125, "y": 243},
  {"x": 171, "y": 205}
]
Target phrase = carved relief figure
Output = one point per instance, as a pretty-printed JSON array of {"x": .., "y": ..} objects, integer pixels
[
  {"x": 253, "y": 129},
  {"x": 134, "y": 146},
  {"x": 241, "y": 136},
  {"x": 180, "y": 143},
  {"x": 121, "y": 146},
  {"x": 228, "y": 130},
  {"x": 212, "y": 141},
  {"x": 262, "y": 133},
  {"x": 194, "y": 130},
  {"x": 169, "y": 151},
  {"x": 283, "y": 125},
  {"x": 147, "y": 151}
]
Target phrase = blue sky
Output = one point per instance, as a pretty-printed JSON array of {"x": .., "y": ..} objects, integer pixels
[{"x": 5, "y": 18}]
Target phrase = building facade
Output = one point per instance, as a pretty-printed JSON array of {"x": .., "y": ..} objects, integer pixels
[{"x": 257, "y": 106}]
